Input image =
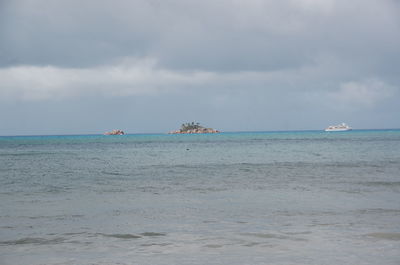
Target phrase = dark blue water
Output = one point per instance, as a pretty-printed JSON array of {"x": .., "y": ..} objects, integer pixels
[{"x": 231, "y": 198}]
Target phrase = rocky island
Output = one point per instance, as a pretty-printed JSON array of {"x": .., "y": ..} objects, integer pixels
[
  {"x": 115, "y": 132},
  {"x": 188, "y": 128}
]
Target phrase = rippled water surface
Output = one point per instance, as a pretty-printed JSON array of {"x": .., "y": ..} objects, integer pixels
[{"x": 230, "y": 198}]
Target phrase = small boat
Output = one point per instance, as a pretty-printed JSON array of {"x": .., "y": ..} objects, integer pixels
[{"x": 338, "y": 128}]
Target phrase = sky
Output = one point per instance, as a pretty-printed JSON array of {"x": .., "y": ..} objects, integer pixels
[{"x": 83, "y": 67}]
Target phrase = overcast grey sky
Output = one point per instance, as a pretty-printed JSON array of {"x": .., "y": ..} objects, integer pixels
[{"x": 70, "y": 66}]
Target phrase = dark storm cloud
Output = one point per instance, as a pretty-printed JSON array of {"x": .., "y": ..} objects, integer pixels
[
  {"x": 197, "y": 35},
  {"x": 75, "y": 33}
]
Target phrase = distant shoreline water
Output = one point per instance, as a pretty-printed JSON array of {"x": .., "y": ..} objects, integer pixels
[{"x": 222, "y": 132}]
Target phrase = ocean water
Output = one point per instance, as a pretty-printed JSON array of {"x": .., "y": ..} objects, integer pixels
[{"x": 231, "y": 198}]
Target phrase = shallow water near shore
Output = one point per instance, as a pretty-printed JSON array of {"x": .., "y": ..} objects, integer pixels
[{"x": 232, "y": 198}]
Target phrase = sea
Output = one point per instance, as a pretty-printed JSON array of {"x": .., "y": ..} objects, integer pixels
[{"x": 303, "y": 197}]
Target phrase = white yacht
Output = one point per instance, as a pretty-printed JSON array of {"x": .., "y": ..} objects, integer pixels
[{"x": 338, "y": 128}]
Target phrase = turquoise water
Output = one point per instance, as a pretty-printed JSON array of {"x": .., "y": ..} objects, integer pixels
[{"x": 232, "y": 198}]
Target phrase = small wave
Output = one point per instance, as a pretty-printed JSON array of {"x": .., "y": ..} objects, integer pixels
[
  {"x": 378, "y": 211},
  {"x": 7, "y": 227},
  {"x": 299, "y": 233},
  {"x": 114, "y": 173},
  {"x": 156, "y": 244},
  {"x": 122, "y": 236},
  {"x": 382, "y": 183},
  {"x": 265, "y": 235},
  {"x": 152, "y": 234},
  {"x": 33, "y": 240},
  {"x": 74, "y": 233},
  {"x": 385, "y": 236},
  {"x": 209, "y": 221},
  {"x": 22, "y": 154},
  {"x": 252, "y": 244},
  {"x": 52, "y": 189},
  {"x": 133, "y": 236},
  {"x": 206, "y": 189},
  {"x": 273, "y": 236},
  {"x": 56, "y": 217},
  {"x": 213, "y": 246}
]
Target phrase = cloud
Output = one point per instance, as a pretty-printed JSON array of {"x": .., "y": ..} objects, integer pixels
[
  {"x": 137, "y": 77},
  {"x": 129, "y": 77},
  {"x": 324, "y": 7},
  {"x": 367, "y": 93}
]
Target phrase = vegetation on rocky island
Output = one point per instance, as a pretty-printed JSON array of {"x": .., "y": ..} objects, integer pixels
[{"x": 192, "y": 127}]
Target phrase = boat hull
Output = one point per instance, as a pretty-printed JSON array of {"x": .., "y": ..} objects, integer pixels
[{"x": 337, "y": 130}]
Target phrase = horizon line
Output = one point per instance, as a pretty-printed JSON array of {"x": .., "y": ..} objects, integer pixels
[{"x": 166, "y": 133}]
